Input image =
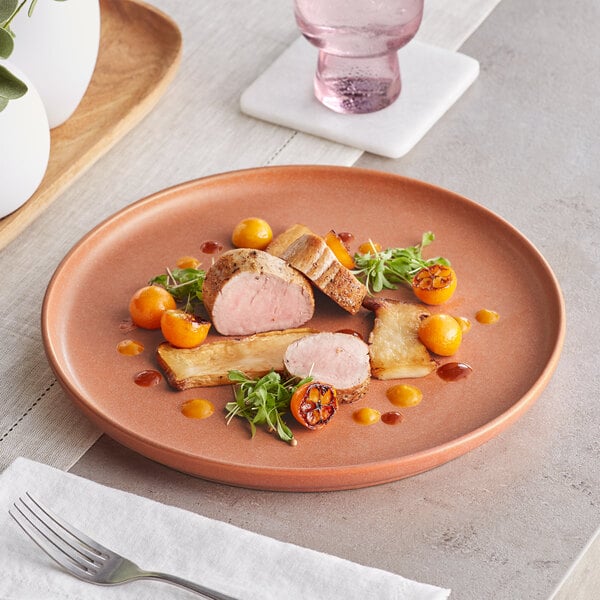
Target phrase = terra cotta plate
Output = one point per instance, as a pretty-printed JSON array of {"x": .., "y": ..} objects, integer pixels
[{"x": 497, "y": 268}]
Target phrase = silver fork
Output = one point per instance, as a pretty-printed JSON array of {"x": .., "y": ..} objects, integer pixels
[{"x": 82, "y": 556}]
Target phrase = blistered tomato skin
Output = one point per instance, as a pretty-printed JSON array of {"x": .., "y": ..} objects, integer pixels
[
  {"x": 252, "y": 233},
  {"x": 314, "y": 404},
  {"x": 435, "y": 284},
  {"x": 182, "y": 329},
  {"x": 440, "y": 334},
  {"x": 148, "y": 304}
]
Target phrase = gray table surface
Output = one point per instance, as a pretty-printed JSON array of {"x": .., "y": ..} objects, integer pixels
[{"x": 507, "y": 520}]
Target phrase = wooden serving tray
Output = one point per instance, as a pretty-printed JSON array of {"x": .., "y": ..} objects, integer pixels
[{"x": 140, "y": 50}]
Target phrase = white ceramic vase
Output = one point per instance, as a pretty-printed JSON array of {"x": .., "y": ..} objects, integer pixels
[
  {"x": 57, "y": 47},
  {"x": 25, "y": 144}
]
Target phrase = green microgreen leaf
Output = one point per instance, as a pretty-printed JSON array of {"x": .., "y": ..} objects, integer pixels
[
  {"x": 185, "y": 285},
  {"x": 263, "y": 402},
  {"x": 387, "y": 269}
]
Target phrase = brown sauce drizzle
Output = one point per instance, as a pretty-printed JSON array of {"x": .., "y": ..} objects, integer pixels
[
  {"x": 392, "y": 418},
  {"x": 147, "y": 378},
  {"x": 351, "y": 332},
  {"x": 211, "y": 247},
  {"x": 453, "y": 371}
]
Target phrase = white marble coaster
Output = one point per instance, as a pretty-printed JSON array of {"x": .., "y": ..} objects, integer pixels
[{"x": 433, "y": 79}]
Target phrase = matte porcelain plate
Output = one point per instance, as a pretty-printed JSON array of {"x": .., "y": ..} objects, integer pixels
[{"x": 512, "y": 360}]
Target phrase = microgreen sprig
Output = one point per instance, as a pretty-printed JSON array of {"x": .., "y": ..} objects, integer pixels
[
  {"x": 387, "y": 269},
  {"x": 185, "y": 285},
  {"x": 263, "y": 401}
]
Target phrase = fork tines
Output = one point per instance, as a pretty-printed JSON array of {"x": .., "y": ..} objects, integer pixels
[{"x": 68, "y": 546}]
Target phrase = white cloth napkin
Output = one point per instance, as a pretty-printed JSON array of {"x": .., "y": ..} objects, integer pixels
[{"x": 159, "y": 537}]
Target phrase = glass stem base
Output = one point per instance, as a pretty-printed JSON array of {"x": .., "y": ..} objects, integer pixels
[{"x": 357, "y": 85}]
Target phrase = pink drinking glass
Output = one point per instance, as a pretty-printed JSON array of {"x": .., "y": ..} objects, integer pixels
[{"x": 358, "y": 42}]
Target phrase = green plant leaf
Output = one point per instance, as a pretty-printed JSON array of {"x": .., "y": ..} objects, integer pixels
[
  {"x": 3, "y": 103},
  {"x": 11, "y": 87},
  {"x": 7, "y": 8},
  {"x": 7, "y": 44}
]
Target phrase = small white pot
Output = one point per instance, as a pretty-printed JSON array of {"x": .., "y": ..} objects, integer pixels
[
  {"x": 25, "y": 136},
  {"x": 57, "y": 47}
]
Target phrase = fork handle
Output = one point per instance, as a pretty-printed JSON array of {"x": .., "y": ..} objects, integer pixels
[{"x": 188, "y": 585}]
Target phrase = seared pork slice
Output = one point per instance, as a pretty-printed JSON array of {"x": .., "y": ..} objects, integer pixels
[
  {"x": 313, "y": 257},
  {"x": 394, "y": 346},
  {"x": 281, "y": 242},
  {"x": 209, "y": 364},
  {"x": 248, "y": 291},
  {"x": 339, "y": 359}
]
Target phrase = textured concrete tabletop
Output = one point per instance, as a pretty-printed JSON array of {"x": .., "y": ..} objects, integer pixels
[{"x": 507, "y": 520}]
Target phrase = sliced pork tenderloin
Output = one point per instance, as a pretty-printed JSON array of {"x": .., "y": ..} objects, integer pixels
[
  {"x": 313, "y": 257},
  {"x": 249, "y": 291},
  {"x": 339, "y": 359}
]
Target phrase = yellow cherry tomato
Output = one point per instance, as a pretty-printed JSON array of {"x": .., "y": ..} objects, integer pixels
[
  {"x": 314, "y": 404},
  {"x": 183, "y": 330},
  {"x": 441, "y": 334},
  {"x": 252, "y": 233},
  {"x": 339, "y": 249},
  {"x": 434, "y": 284},
  {"x": 369, "y": 247},
  {"x": 148, "y": 304}
]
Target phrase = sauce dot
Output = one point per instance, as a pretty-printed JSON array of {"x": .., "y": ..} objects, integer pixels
[
  {"x": 147, "y": 378},
  {"x": 346, "y": 236},
  {"x": 453, "y": 371},
  {"x": 211, "y": 247},
  {"x": 127, "y": 325},
  {"x": 188, "y": 262},
  {"x": 464, "y": 323},
  {"x": 404, "y": 395},
  {"x": 487, "y": 316},
  {"x": 392, "y": 418},
  {"x": 366, "y": 416},
  {"x": 198, "y": 408},
  {"x": 130, "y": 347}
]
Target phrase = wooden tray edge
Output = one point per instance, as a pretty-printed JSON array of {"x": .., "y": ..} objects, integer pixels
[{"x": 52, "y": 186}]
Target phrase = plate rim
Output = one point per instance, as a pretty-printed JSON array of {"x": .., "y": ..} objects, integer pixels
[{"x": 155, "y": 450}]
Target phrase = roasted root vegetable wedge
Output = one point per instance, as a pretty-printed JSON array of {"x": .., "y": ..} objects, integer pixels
[
  {"x": 394, "y": 346},
  {"x": 209, "y": 364}
]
